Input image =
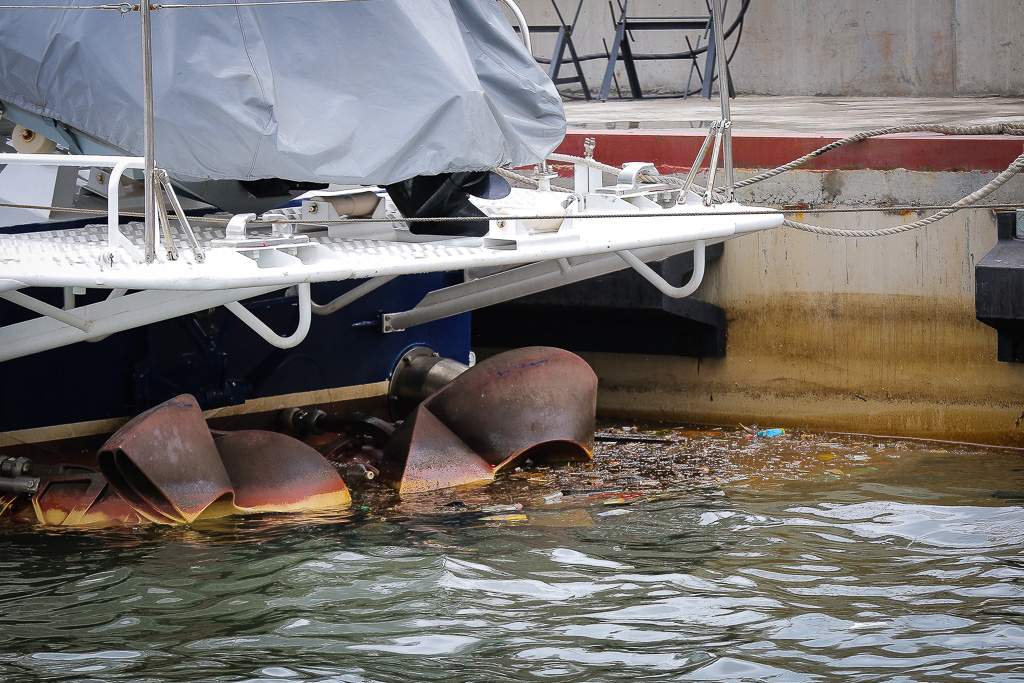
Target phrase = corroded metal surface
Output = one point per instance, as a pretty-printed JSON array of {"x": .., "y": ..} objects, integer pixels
[
  {"x": 271, "y": 472},
  {"x": 79, "y": 499},
  {"x": 424, "y": 455},
  {"x": 519, "y": 399},
  {"x": 165, "y": 464},
  {"x": 535, "y": 402}
]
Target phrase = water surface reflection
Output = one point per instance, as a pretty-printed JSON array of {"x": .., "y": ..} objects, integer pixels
[{"x": 685, "y": 555}]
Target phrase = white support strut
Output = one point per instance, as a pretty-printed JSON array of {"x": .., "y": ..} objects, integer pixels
[
  {"x": 43, "y": 308},
  {"x": 268, "y": 335},
  {"x": 658, "y": 281},
  {"x": 110, "y": 316}
]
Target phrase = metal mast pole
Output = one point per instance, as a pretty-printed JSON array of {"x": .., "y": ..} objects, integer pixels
[
  {"x": 147, "y": 130},
  {"x": 723, "y": 91}
]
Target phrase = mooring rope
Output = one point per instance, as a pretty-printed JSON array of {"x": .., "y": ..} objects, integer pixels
[{"x": 1017, "y": 166}]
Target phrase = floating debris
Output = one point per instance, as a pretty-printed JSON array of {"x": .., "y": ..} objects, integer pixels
[
  {"x": 591, "y": 492},
  {"x": 502, "y": 508},
  {"x": 614, "y": 513},
  {"x": 623, "y": 438},
  {"x": 505, "y": 518}
]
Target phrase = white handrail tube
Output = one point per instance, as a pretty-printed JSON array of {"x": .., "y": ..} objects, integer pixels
[
  {"x": 271, "y": 337},
  {"x": 351, "y": 295},
  {"x": 658, "y": 281},
  {"x": 118, "y": 166}
]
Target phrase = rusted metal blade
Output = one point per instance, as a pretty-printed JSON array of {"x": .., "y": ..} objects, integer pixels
[
  {"x": 424, "y": 455},
  {"x": 533, "y": 403},
  {"x": 272, "y": 472},
  {"x": 80, "y": 499},
  {"x": 165, "y": 465},
  {"x": 536, "y": 398}
]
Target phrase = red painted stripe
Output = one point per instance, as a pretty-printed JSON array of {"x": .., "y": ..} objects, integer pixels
[{"x": 673, "y": 151}]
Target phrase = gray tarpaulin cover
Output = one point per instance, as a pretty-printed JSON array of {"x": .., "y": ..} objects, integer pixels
[{"x": 366, "y": 91}]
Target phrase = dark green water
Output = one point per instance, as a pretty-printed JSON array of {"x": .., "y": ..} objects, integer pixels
[{"x": 727, "y": 559}]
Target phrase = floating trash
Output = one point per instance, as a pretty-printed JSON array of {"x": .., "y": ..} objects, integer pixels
[
  {"x": 614, "y": 513},
  {"x": 502, "y": 508},
  {"x": 505, "y": 518}
]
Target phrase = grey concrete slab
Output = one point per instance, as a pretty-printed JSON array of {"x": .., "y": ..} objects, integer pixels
[{"x": 797, "y": 114}]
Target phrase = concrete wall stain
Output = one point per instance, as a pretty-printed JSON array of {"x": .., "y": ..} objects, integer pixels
[{"x": 861, "y": 335}]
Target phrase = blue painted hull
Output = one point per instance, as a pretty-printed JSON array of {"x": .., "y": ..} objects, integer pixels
[{"x": 217, "y": 359}]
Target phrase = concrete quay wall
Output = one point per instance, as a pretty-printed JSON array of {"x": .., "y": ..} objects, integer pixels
[
  {"x": 809, "y": 47},
  {"x": 873, "y": 335}
]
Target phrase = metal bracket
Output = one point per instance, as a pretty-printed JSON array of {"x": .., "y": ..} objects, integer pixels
[
  {"x": 236, "y": 235},
  {"x": 663, "y": 286},
  {"x": 628, "y": 183},
  {"x": 268, "y": 335},
  {"x": 522, "y": 281}
]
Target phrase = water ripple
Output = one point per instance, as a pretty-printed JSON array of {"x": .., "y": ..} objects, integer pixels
[{"x": 904, "y": 574}]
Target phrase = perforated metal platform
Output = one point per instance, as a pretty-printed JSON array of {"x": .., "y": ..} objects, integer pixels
[{"x": 81, "y": 257}]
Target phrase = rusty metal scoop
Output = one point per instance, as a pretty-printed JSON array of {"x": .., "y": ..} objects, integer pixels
[
  {"x": 534, "y": 403},
  {"x": 272, "y": 472},
  {"x": 165, "y": 465},
  {"x": 168, "y": 468}
]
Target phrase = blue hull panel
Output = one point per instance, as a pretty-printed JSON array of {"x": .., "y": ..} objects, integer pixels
[{"x": 219, "y": 360}]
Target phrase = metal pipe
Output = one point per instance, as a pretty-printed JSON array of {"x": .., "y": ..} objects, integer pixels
[
  {"x": 709, "y": 194},
  {"x": 43, "y": 308},
  {"x": 114, "y": 294},
  {"x": 712, "y": 131},
  {"x": 186, "y": 227},
  {"x": 118, "y": 163},
  {"x": 658, "y": 281},
  {"x": 523, "y": 26},
  {"x": 115, "y": 238},
  {"x": 723, "y": 91},
  {"x": 522, "y": 281},
  {"x": 147, "y": 131},
  {"x": 165, "y": 225},
  {"x": 271, "y": 337},
  {"x": 351, "y": 295},
  {"x": 115, "y": 315}
]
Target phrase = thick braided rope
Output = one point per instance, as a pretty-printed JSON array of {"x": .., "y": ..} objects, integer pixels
[
  {"x": 946, "y": 129},
  {"x": 1017, "y": 166},
  {"x": 512, "y": 175},
  {"x": 1013, "y": 169}
]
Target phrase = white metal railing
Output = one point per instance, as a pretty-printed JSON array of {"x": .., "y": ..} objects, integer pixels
[{"x": 118, "y": 166}]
